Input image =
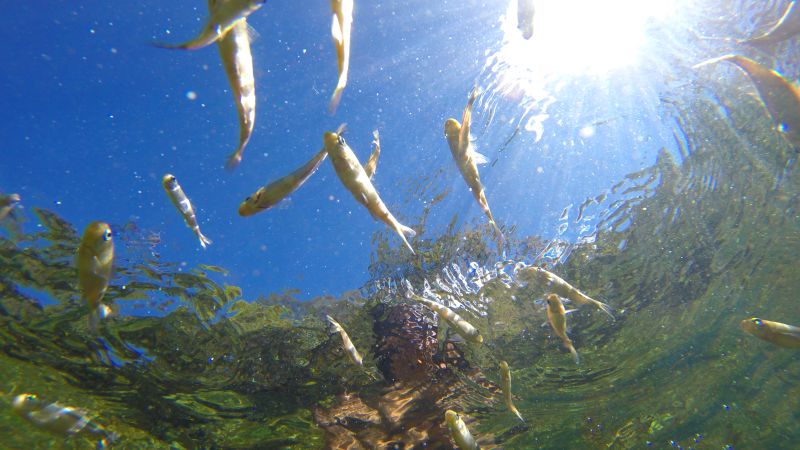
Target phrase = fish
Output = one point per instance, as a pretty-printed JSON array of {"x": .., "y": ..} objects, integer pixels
[
  {"x": 467, "y": 159},
  {"x": 184, "y": 206},
  {"x": 340, "y": 31},
  {"x": 786, "y": 27},
  {"x": 223, "y": 16},
  {"x": 59, "y": 419},
  {"x": 554, "y": 283},
  {"x": 778, "y": 333},
  {"x": 355, "y": 179},
  {"x": 459, "y": 431},
  {"x": 525, "y": 12},
  {"x": 234, "y": 50},
  {"x": 462, "y": 327},
  {"x": 95, "y": 262},
  {"x": 270, "y": 195},
  {"x": 7, "y": 204},
  {"x": 505, "y": 374},
  {"x": 372, "y": 162},
  {"x": 780, "y": 97},
  {"x": 347, "y": 344},
  {"x": 558, "y": 320}
]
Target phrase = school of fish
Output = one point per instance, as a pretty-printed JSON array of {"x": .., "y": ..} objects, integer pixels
[{"x": 227, "y": 26}]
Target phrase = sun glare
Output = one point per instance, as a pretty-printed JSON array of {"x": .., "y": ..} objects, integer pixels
[{"x": 581, "y": 36}]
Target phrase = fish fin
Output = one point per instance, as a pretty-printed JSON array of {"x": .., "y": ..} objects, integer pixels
[
  {"x": 252, "y": 33},
  {"x": 404, "y": 231},
  {"x": 234, "y": 159},
  {"x": 372, "y": 163},
  {"x": 606, "y": 309},
  {"x": 342, "y": 128},
  {"x": 97, "y": 315},
  {"x": 575, "y": 355},
  {"x": 204, "y": 40},
  {"x": 569, "y": 311},
  {"x": 204, "y": 241},
  {"x": 713, "y": 60},
  {"x": 479, "y": 158},
  {"x": 466, "y": 118},
  {"x": 516, "y": 412}
]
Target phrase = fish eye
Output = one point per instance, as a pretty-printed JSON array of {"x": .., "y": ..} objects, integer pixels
[
  {"x": 757, "y": 321},
  {"x": 107, "y": 235},
  {"x": 341, "y": 139}
]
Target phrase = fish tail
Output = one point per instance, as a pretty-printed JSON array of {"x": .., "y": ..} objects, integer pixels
[
  {"x": 605, "y": 308},
  {"x": 235, "y": 158},
  {"x": 404, "y": 231},
  {"x": 335, "y": 99},
  {"x": 516, "y": 411},
  {"x": 204, "y": 241},
  {"x": 574, "y": 352},
  {"x": 97, "y": 315}
]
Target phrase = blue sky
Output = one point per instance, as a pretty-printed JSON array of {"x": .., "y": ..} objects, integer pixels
[{"x": 93, "y": 117}]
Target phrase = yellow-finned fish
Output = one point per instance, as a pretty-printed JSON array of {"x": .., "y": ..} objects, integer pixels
[
  {"x": 467, "y": 159},
  {"x": 553, "y": 283},
  {"x": 347, "y": 344},
  {"x": 459, "y": 431},
  {"x": 462, "y": 327},
  {"x": 505, "y": 375},
  {"x": 778, "y": 333},
  {"x": 780, "y": 97},
  {"x": 340, "y": 31},
  {"x": 184, "y": 206},
  {"x": 59, "y": 419},
  {"x": 234, "y": 49},
  {"x": 270, "y": 195},
  {"x": 95, "y": 262},
  {"x": 786, "y": 27},
  {"x": 222, "y": 16},
  {"x": 372, "y": 163},
  {"x": 525, "y": 12},
  {"x": 356, "y": 180},
  {"x": 7, "y": 204},
  {"x": 558, "y": 320}
]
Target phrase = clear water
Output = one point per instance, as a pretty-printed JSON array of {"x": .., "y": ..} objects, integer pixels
[{"x": 662, "y": 190}]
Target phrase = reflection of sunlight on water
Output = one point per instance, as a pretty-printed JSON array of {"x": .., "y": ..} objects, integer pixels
[
  {"x": 581, "y": 36},
  {"x": 576, "y": 38}
]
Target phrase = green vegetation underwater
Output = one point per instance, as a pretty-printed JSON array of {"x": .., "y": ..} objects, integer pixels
[{"x": 702, "y": 236}]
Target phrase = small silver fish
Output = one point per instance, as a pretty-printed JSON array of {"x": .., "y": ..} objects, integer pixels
[
  {"x": 60, "y": 419},
  {"x": 558, "y": 320},
  {"x": 459, "y": 431},
  {"x": 505, "y": 375},
  {"x": 234, "y": 49},
  {"x": 223, "y": 15},
  {"x": 467, "y": 159},
  {"x": 95, "y": 262},
  {"x": 525, "y": 12},
  {"x": 271, "y": 194},
  {"x": 553, "y": 283},
  {"x": 184, "y": 206},
  {"x": 347, "y": 344},
  {"x": 462, "y": 327},
  {"x": 340, "y": 31},
  {"x": 355, "y": 179}
]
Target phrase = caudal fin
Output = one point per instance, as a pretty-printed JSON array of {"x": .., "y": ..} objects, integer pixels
[
  {"x": 97, "y": 315},
  {"x": 605, "y": 308},
  {"x": 234, "y": 160},
  {"x": 204, "y": 241},
  {"x": 575, "y": 355},
  {"x": 404, "y": 231}
]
